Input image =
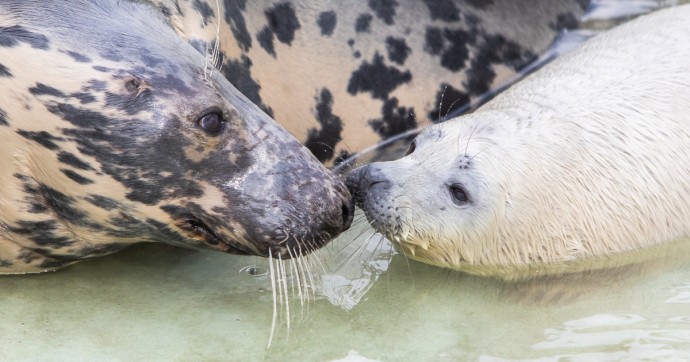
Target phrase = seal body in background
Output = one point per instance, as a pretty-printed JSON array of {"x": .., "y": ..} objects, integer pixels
[
  {"x": 589, "y": 157},
  {"x": 343, "y": 76},
  {"x": 115, "y": 131}
]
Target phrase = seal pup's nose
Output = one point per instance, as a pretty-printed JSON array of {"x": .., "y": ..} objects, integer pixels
[{"x": 361, "y": 179}]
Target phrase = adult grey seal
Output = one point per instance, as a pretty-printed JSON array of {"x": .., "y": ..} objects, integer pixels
[
  {"x": 589, "y": 157},
  {"x": 114, "y": 131}
]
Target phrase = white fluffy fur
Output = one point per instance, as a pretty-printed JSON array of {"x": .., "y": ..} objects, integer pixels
[{"x": 588, "y": 157}]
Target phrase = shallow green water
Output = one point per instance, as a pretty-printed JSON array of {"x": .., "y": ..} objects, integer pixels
[{"x": 155, "y": 302}]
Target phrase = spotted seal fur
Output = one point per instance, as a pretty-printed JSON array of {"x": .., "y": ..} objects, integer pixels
[
  {"x": 343, "y": 76},
  {"x": 114, "y": 132},
  {"x": 587, "y": 158}
]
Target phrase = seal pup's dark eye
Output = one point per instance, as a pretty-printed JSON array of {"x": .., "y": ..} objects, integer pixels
[
  {"x": 212, "y": 123},
  {"x": 459, "y": 194},
  {"x": 410, "y": 149}
]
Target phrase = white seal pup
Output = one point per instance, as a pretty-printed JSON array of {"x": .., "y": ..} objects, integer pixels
[{"x": 587, "y": 158}]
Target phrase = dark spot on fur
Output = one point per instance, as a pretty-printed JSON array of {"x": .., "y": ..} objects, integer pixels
[
  {"x": 131, "y": 103},
  {"x": 283, "y": 22},
  {"x": 100, "y": 250},
  {"x": 3, "y": 118},
  {"x": 5, "y": 72},
  {"x": 397, "y": 50},
  {"x": 496, "y": 49},
  {"x": 350, "y": 42},
  {"x": 238, "y": 72},
  {"x": 455, "y": 56},
  {"x": 72, "y": 160},
  {"x": 53, "y": 264},
  {"x": 444, "y": 10},
  {"x": 433, "y": 41},
  {"x": 384, "y": 9},
  {"x": 76, "y": 177},
  {"x": 481, "y": 4},
  {"x": 327, "y": 21},
  {"x": 564, "y": 21},
  {"x": 42, "y": 89},
  {"x": 84, "y": 98},
  {"x": 363, "y": 23},
  {"x": 102, "y": 69},
  {"x": 97, "y": 85},
  {"x": 43, "y": 233},
  {"x": 32, "y": 197},
  {"x": 265, "y": 38},
  {"x": 205, "y": 10},
  {"x": 78, "y": 57},
  {"x": 234, "y": 15},
  {"x": 357, "y": 54},
  {"x": 164, "y": 10},
  {"x": 198, "y": 44},
  {"x": 61, "y": 205},
  {"x": 449, "y": 100},
  {"x": 395, "y": 119},
  {"x": 322, "y": 142},
  {"x": 4, "y": 263},
  {"x": 377, "y": 78},
  {"x": 12, "y": 35},
  {"x": 44, "y": 138},
  {"x": 103, "y": 202}
]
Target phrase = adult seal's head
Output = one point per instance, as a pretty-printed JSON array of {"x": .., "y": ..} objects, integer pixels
[
  {"x": 588, "y": 157},
  {"x": 115, "y": 131}
]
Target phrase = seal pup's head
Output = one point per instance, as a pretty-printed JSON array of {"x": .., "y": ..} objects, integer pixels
[{"x": 445, "y": 200}]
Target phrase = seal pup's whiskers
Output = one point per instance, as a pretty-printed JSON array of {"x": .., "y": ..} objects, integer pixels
[{"x": 357, "y": 251}]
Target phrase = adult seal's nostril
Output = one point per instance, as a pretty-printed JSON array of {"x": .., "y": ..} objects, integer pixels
[{"x": 348, "y": 212}]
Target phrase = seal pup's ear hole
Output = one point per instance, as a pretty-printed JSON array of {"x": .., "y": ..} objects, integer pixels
[
  {"x": 136, "y": 85},
  {"x": 212, "y": 122},
  {"x": 412, "y": 147},
  {"x": 459, "y": 194}
]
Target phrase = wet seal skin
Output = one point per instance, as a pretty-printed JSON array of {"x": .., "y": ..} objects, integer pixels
[
  {"x": 584, "y": 160},
  {"x": 387, "y": 66},
  {"x": 116, "y": 131}
]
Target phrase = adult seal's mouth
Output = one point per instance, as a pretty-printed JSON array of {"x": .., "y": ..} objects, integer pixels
[{"x": 197, "y": 229}]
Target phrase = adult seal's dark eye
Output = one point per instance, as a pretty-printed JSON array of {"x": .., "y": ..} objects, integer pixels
[
  {"x": 459, "y": 194},
  {"x": 211, "y": 123},
  {"x": 410, "y": 149}
]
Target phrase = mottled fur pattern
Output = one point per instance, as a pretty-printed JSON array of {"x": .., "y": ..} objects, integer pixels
[
  {"x": 588, "y": 157},
  {"x": 342, "y": 76},
  {"x": 101, "y": 145}
]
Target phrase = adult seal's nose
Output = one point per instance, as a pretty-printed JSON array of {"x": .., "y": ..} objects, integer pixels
[{"x": 347, "y": 210}]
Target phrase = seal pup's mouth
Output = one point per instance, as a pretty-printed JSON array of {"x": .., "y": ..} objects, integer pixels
[{"x": 199, "y": 229}]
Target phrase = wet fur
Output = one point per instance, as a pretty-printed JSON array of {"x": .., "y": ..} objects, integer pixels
[
  {"x": 587, "y": 158},
  {"x": 101, "y": 149}
]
